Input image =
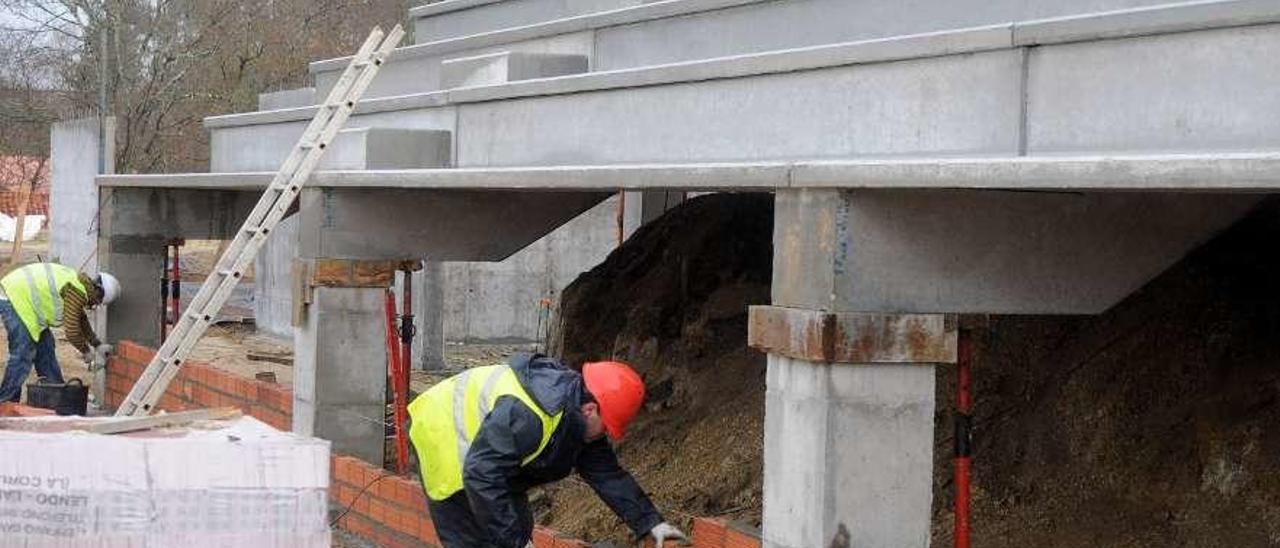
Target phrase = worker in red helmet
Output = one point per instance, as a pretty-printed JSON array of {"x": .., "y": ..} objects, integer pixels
[{"x": 485, "y": 436}]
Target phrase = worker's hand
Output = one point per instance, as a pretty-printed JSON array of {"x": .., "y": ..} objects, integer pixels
[
  {"x": 663, "y": 532},
  {"x": 104, "y": 349}
]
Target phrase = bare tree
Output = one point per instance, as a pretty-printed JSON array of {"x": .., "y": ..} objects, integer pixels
[{"x": 160, "y": 66}]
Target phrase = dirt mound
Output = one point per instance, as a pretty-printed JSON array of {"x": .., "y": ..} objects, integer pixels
[
  {"x": 1154, "y": 424},
  {"x": 672, "y": 302}
]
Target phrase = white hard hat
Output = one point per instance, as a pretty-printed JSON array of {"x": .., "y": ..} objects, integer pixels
[{"x": 110, "y": 287}]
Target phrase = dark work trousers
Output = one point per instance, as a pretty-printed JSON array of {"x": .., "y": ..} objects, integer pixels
[{"x": 456, "y": 525}]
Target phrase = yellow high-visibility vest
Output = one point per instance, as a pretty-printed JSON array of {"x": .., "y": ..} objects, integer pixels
[
  {"x": 446, "y": 418},
  {"x": 35, "y": 291}
]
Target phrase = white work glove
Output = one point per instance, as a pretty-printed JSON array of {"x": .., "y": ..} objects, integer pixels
[
  {"x": 100, "y": 354},
  {"x": 663, "y": 532}
]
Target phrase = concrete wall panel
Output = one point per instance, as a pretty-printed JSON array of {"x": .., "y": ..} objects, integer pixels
[
  {"x": 73, "y": 196},
  {"x": 1175, "y": 92},
  {"x": 966, "y": 104}
]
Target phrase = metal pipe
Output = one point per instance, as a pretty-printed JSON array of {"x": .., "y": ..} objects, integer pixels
[{"x": 963, "y": 439}]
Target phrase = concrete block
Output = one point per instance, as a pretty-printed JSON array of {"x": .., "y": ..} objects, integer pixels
[
  {"x": 1176, "y": 92},
  {"x": 507, "y": 66},
  {"x": 385, "y": 148},
  {"x": 289, "y": 98},
  {"x": 943, "y": 106},
  {"x": 432, "y": 23}
]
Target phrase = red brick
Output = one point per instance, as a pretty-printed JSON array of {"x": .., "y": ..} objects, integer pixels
[
  {"x": 133, "y": 352},
  {"x": 275, "y": 397},
  {"x": 708, "y": 532},
  {"x": 735, "y": 536},
  {"x": 427, "y": 532},
  {"x": 543, "y": 537},
  {"x": 203, "y": 396},
  {"x": 346, "y": 471}
]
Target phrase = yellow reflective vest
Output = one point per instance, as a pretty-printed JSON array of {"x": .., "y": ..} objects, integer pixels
[
  {"x": 446, "y": 418},
  {"x": 35, "y": 291}
]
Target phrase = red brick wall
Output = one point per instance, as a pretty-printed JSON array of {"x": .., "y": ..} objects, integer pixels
[
  {"x": 198, "y": 386},
  {"x": 393, "y": 510}
]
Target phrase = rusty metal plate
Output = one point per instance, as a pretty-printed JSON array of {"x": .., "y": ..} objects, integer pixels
[{"x": 853, "y": 338}]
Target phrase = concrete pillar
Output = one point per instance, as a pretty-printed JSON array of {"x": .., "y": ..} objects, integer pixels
[
  {"x": 849, "y": 409},
  {"x": 137, "y": 262},
  {"x": 431, "y": 316},
  {"x": 340, "y": 359},
  {"x": 428, "y": 316},
  {"x": 73, "y": 196}
]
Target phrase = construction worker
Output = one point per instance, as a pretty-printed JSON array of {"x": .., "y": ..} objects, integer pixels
[
  {"x": 485, "y": 436},
  {"x": 39, "y": 296}
]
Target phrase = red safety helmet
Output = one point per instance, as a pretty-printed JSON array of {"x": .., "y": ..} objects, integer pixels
[{"x": 619, "y": 392}]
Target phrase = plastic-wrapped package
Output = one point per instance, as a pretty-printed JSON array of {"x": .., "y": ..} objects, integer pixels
[{"x": 242, "y": 484}]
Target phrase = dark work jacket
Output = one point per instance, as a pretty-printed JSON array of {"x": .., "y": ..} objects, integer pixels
[{"x": 495, "y": 481}]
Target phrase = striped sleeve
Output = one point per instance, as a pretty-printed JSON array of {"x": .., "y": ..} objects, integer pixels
[{"x": 75, "y": 319}]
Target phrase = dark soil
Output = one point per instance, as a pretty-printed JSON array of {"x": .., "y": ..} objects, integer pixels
[
  {"x": 672, "y": 302},
  {"x": 1156, "y": 423}
]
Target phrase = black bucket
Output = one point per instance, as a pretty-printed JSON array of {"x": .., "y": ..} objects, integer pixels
[{"x": 69, "y": 398}]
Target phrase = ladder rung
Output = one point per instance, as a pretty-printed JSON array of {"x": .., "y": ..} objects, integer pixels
[{"x": 232, "y": 273}]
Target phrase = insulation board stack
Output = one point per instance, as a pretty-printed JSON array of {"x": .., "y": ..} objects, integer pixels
[{"x": 242, "y": 483}]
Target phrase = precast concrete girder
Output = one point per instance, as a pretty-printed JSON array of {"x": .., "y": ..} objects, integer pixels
[
  {"x": 983, "y": 251},
  {"x": 445, "y": 225}
]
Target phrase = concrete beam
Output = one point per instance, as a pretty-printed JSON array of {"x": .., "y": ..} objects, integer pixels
[
  {"x": 165, "y": 213},
  {"x": 456, "y": 18},
  {"x": 442, "y": 225},
  {"x": 983, "y": 251}
]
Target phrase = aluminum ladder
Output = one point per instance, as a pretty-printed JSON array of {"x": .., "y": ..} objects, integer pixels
[{"x": 331, "y": 115}]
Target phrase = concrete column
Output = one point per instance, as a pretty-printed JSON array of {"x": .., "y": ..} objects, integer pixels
[
  {"x": 339, "y": 375},
  {"x": 849, "y": 409},
  {"x": 73, "y": 196},
  {"x": 428, "y": 316},
  {"x": 430, "y": 339},
  {"x": 137, "y": 262}
]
